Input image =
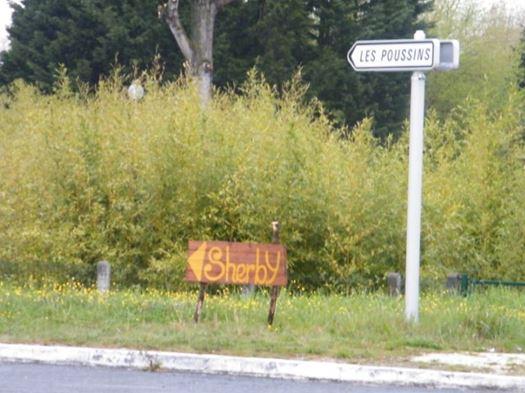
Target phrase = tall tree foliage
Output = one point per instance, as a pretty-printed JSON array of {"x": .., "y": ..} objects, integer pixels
[
  {"x": 488, "y": 62},
  {"x": 278, "y": 37},
  {"x": 275, "y": 36},
  {"x": 521, "y": 67},
  {"x": 385, "y": 96},
  {"x": 87, "y": 37}
]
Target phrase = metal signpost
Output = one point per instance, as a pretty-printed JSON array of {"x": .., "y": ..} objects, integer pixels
[{"x": 418, "y": 56}]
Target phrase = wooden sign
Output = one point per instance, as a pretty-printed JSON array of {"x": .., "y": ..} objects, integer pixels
[{"x": 236, "y": 263}]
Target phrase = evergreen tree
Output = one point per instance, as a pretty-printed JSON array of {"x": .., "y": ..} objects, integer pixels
[
  {"x": 275, "y": 36},
  {"x": 284, "y": 49},
  {"x": 329, "y": 74},
  {"x": 521, "y": 66},
  {"x": 87, "y": 36},
  {"x": 385, "y": 96},
  {"x": 278, "y": 37},
  {"x": 349, "y": 95}
]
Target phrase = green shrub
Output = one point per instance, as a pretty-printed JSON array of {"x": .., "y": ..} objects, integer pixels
[{"x": 89, "y": 177}]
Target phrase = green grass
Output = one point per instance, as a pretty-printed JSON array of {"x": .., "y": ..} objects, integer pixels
[{"x": 358, "y": 327}]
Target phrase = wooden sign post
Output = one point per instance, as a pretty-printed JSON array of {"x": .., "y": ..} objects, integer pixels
[
  {"x": 275, "y": 289},
  {"x": 216, "y": 262}
]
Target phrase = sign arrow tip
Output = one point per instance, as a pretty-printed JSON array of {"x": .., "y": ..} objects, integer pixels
[{"x": 196, "y": 261}]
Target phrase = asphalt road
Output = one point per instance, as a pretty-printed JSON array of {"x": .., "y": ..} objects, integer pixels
[{"x": 40, "y": 378}]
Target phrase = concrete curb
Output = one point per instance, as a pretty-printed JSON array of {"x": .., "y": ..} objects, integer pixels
[
  {"x": 496, "y": 362},
  {"x": 262, "y": 367}
]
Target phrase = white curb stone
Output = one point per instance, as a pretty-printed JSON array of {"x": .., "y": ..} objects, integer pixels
[
  {"x": 499, "y": 362},
  {"x": 263, "y": 367}
]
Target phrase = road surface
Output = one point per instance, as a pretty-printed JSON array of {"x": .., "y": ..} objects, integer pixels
[{"x": 41, "y": 378}]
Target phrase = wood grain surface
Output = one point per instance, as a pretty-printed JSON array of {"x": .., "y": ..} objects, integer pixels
[{"x": 236, "y": 263}]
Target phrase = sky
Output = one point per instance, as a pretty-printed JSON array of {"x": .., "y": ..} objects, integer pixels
[
  {"x": 5, "y": 18},
  {"x": 5, "y": 15}
]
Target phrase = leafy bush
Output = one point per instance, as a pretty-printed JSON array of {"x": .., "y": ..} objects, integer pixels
[
  {"x": 474, "y": 219},
  {"x": 90, "y": 177}
]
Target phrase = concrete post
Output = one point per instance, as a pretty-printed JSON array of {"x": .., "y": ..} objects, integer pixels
[
  {"x": 393, "y": 280},
  {"x": 103, "y": 276},
  {"x": 454, "y": 283}
]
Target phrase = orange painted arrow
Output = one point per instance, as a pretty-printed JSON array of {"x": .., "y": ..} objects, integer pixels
[{"x": 196, "y": 260}]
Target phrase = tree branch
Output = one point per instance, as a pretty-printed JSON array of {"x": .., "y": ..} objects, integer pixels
[
  {"x": 222, "y": 3},
  {"x": 170, "y": 13}
]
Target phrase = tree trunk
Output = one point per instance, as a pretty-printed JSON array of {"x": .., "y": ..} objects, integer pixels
[
  {"x": 203, "y": 21},
  {"x": 198, "y": 51}
]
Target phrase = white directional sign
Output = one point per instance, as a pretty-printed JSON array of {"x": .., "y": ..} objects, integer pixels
[
  {"x": 395, "y": 55},
  {"x": 417, "y": 55}
]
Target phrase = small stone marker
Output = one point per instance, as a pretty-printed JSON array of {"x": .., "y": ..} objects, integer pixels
[
  {"x": 248, "y": 290},
  {"x": 454, "y": 283},
  {"x": 394, "y": 284},
  {"x": 103, "y": 276}
]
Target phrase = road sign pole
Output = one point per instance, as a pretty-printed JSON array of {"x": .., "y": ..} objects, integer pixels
[
  {"x": 418, "y": 56},
  {"x": 415, "y": 185}
]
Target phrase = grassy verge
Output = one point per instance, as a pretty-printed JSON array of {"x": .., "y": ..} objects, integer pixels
[{"x": 359, "y": 327}]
